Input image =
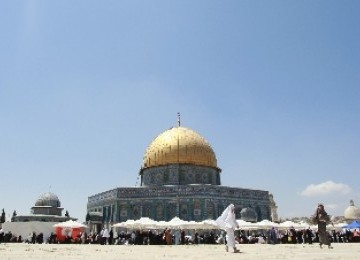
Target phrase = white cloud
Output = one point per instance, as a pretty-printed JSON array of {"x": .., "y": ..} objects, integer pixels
[{"x": 326, "y": 188}]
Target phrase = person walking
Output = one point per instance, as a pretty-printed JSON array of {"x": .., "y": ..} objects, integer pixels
[
  {"x": 105, "y": 236},
  {"x": 321, "y": 218},
  {"x": 228, "y": 222}
]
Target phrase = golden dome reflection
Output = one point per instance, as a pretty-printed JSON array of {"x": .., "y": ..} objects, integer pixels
[{"x": 179, "y": 145}]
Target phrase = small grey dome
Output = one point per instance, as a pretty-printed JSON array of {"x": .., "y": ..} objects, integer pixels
[{"x": 48, "y": 199}]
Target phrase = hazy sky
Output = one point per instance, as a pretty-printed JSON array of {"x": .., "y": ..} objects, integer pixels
[{"x": 85, "y": 86}]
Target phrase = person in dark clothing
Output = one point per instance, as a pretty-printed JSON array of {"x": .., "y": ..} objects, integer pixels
[
  {"x": 111, "y": 237},
  {"x": 33, "y": 239},
  {"x": 308, "y": 236},
  {"x": 196, "y": 238},
  {"x": 40, "y": 238},
  {"x": 182, "y": 237},
  {"x": 2, "y": 233},
  {"x": 322, "y": 218}
]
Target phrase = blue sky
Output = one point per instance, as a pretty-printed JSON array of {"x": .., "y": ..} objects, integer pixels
[{"x": 85, "y": 86}]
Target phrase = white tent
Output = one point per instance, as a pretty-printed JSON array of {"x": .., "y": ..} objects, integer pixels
[
  {"x": 176, "y": 223},
  {"x": 246, "y": 225},
  {"x": 126, "y": 224},
  {"x": 68, "y": 228},
  {"x": 209, "y": 224},
  {"x": 265, "y": 224},
  {"x": 162, "y": 224},
  {"x": 290, "y": 224},
  {"x": 145, "y": 223},
  {"x": 192, "y": 225},
  {"x": 142, "y": 223}
]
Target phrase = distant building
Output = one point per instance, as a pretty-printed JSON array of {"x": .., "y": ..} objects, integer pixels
[
  {"x": 46, "y": 212},
  {"x": 352, "y": 212},
  {"x": 47, "y": 208},
  {"x": 179, "y": 177}
]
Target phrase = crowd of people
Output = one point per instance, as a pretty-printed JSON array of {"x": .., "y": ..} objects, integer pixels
[
  {"x": 305, "y": 236},
  {"x": 148, "y": 237},
  {"x": 184, "y": 237},
  {"x": 33, "y": 238},
  {"x": 226, "y": 222}
]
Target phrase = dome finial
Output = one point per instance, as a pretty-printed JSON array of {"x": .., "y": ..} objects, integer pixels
[{"x": 178, "y": 115}]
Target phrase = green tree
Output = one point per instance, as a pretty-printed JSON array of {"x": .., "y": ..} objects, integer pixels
[
  {"x": 2, "y": 219},
  {"x": 13, "y": 216}
]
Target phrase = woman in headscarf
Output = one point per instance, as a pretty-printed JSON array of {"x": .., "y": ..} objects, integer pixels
[
  {"x": 168, "y": 236},
  {"x": 322, "y": 218},
  {"x": 228, "y": 222}
]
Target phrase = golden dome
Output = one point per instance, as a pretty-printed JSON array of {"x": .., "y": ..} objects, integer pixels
[{"x": 179, "y": 145}]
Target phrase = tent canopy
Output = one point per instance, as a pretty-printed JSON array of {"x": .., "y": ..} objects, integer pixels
[
  {"x": 70, "y": 224},
  {"x": 352, "y": 225}
]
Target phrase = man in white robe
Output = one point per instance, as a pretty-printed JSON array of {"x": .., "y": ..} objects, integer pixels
[
  {"x": 227, "y": 221},
  {"x": 105, "y": 236}
]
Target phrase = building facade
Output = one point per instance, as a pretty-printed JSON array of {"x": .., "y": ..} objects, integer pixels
[{"x": 179, "y": 177}]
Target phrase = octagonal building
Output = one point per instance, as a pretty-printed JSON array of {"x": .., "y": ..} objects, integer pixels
[{"x": 179, "y": 177}]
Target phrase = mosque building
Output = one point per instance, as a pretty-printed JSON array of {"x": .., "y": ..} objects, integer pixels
[
  {"x": 46, "y": 212},
  {"x": 179, "y": 177},
  {"x": 47, "y": 208},
  {"x": 352, "y": 212}
]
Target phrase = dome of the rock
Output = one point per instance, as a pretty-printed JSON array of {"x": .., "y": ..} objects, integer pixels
[{"x": 179, "y": 145}]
